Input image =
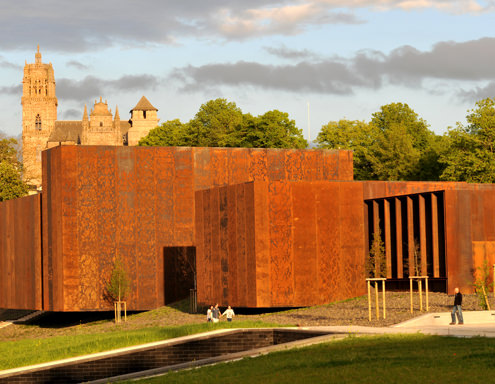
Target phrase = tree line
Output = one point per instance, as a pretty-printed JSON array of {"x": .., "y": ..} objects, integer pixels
[{"x": 396, "y": 144}]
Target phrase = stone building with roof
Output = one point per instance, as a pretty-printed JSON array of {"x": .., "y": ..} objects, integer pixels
[{"x": 41, "y": 129}]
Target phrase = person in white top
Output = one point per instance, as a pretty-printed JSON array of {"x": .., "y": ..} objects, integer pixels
[
  {"x": 229, "y": 312},
  {"x": 209, "y": 314}
]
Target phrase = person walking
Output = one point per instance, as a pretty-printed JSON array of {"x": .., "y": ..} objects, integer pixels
[
  {"x": 215, "y": 314},
  {"x": 229, "y": 312},
  {"x": 457, "y": 308},
  {"x": 209, "y": 314}
]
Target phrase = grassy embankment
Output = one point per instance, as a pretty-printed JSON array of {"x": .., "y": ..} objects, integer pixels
[
  {"x": 381, "y": 359},
  {"x": 39, "y": 350}
]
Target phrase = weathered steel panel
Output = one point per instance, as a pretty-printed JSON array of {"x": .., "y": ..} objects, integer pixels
[
  {"x": 305, "y": 251},
  {"x": 242, "y": 245},
  {"x": 262, "y": 244},
  {"x": 20, "y": 253},
  {"x": 328, "y": 234},
  {"x": 146, "y": 249},
  {"x": 281, "y": 245},
  {"x": 100, "y": 203},
  {"x": 258, "y": 164},
  {"x": 233, "y": 278},
  {"x": 223, "y": 277},
  {"x": 276, "y": 166},
  {"x": 250, "y": 245}
]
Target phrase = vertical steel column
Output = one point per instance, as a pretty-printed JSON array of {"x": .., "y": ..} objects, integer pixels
[
  {"x": 398, "y": 237},
  {"x": 422, "y": 236},
  {"x": 410, "y": 236},
  {"x": 388, "y": 240},
  {"x": 434, "y": 235}
]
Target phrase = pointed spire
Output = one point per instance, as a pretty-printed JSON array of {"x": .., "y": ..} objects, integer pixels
[
  {"x": 38, "y": 56},
  {"x": 85, "y": 114},
  {"x": 117, "y": 116}
]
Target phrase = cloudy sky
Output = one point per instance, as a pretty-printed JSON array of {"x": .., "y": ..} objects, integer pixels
[{"x": 344, "y": 58}]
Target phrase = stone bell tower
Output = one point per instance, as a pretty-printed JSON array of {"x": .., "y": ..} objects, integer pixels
[{"x": 39, "y": 113}]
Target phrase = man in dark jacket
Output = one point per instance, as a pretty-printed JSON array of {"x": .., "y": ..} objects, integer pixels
[{"x": 457, "y": 308}]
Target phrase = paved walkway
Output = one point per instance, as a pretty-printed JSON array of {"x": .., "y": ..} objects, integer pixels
[{"x": 476, "y": 323}]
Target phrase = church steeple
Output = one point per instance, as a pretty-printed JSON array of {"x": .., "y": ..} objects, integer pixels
[{"x": 39, "y": 113}]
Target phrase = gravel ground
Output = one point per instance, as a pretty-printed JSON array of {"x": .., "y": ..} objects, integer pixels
[
  {"x": 356, "y": 312},
  {"x": 349, "y": 312}
]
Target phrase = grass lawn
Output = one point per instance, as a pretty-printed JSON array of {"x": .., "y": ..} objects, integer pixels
[
  {"x": 34, "y": 351},
  {"x": 374, "y": 360}
]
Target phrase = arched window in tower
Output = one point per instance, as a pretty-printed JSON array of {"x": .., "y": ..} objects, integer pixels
[
  {"x": 144, "y": 114},
  {"x": 38, "y": 122}
]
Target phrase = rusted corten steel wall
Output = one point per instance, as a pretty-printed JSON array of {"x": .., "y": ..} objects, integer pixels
[
  {"x": 20, "y": 253},
  {"x": 409, "y": 225},
  {"x": 279, "y": 243},
  {"x": 382, "y": 189},
  {"x": 450, "y": 226},
  {"x": 469, "y": 219},
  {"x": 100, "y": 203}
]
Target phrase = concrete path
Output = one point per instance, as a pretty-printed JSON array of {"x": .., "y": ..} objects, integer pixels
[{"x": 476, "y": 323}]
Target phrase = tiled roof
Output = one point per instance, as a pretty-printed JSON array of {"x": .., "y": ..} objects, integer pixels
[
  {"x": 144, "y": 105},
  {"x": 66, "y": 131}
]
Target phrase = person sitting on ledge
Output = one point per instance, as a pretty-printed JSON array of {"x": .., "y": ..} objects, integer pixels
[{"x": 457, "y": 307}]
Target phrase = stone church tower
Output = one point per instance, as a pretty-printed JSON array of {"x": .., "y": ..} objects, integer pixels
[
  {"x": 42, "y": 130},
  {"x": 39, "y": 113}
]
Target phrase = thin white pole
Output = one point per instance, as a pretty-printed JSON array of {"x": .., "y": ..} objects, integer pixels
[{"x": 309, "y": 127}]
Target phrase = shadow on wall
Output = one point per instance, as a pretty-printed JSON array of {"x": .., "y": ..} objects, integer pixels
[{"x": 180, "y": 272}]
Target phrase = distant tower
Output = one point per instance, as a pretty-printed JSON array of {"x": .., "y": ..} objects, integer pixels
[
  {"x": 143, "y": 119},
  {"x": 101, "y": 128},
  {"x": 39, "y": 113}
]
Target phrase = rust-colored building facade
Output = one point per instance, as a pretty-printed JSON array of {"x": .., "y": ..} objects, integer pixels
[
  {"x": 137, "y": 204},
  {"x": 280, "y": 243},
  {"x": 260, "y": 228}
]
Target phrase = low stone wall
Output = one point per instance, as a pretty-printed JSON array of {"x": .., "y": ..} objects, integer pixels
[{"x": 154, "y": 356}]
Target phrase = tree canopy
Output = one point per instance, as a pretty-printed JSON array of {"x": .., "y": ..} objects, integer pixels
[
  {"x": 470, "y": 155},
  {"x": 220, "y": 123},
  {"x": 11, "y": 183},
  {"x": 395, "y": 145}
]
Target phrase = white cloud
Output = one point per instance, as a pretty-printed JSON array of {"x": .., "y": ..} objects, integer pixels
[{"x": 91, "y": 25}]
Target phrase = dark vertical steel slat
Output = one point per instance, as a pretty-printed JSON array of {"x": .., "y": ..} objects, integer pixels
[
  {"x": 388, "y": 242},
  {"x": 422, "y": 235},
  {"x": 434, "y": 233},
  {"x": 410, "y": 235},
  {"x": 398, "y": 232}
]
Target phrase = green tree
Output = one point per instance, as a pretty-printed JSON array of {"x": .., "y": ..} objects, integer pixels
[
  {"x": 118, "y": 285},
  {"x": 273, "y": 129},
  {"x": 471, "y": 149},
  {"x": 11, "y": 183},
  {"x": 357, "y": 136},
  {"x": 215, "y": 125},
  {"x": 171, "y": 133},
  {"x": 405, "y": 148},
  {"x": 220, "y": 123},
  {"x": 393, "y": 156},
  {"x": 376, "y": 264}
]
